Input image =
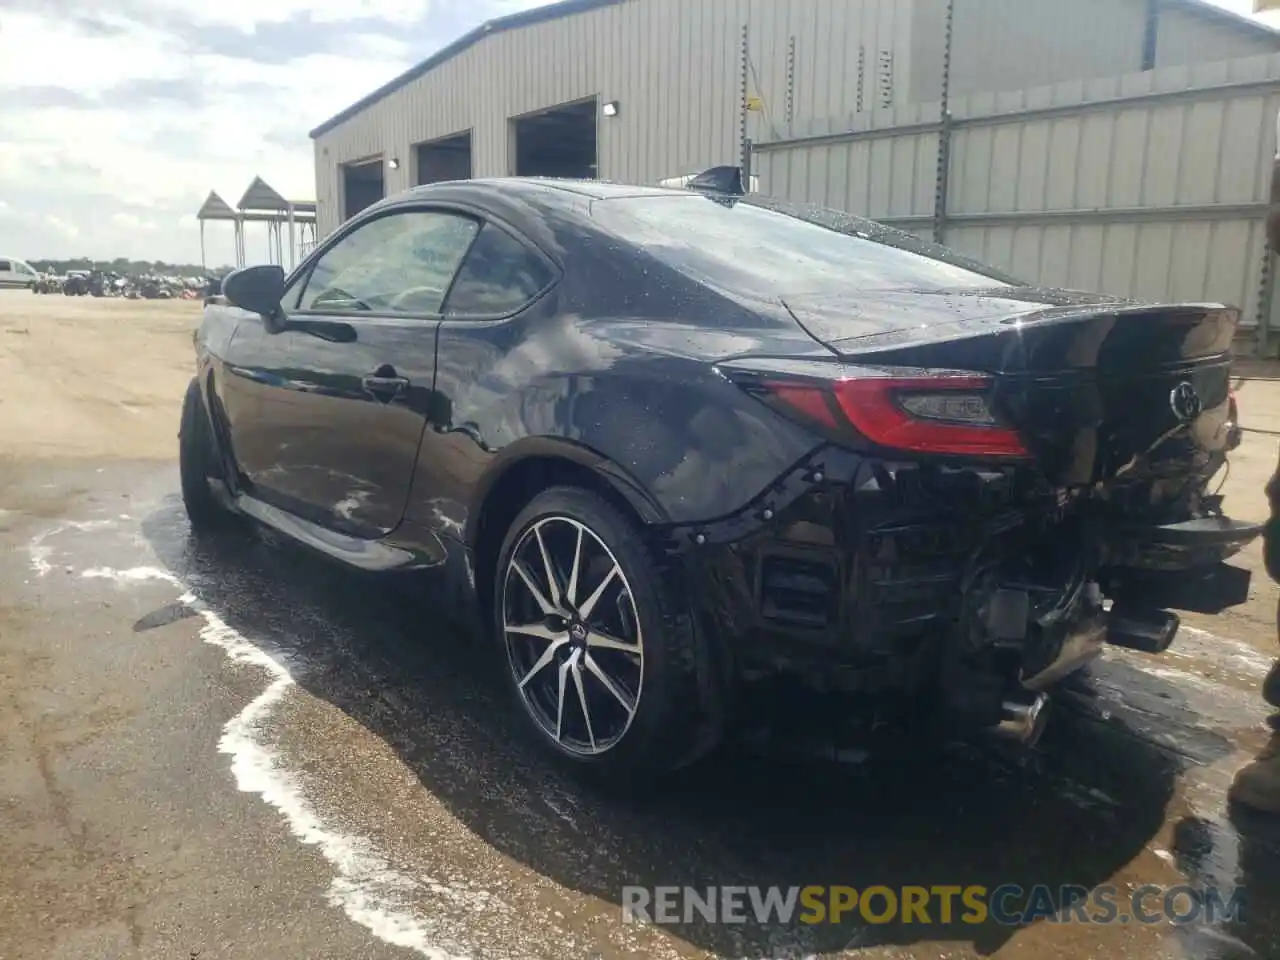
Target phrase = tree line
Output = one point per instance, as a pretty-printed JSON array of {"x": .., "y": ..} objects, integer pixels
[{"x": 127, "y": 267}]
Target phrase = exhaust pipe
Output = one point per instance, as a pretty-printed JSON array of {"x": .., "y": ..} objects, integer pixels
[
  {"x": 1023, "y": 719},
  {"x": 1148, "y": 631}
]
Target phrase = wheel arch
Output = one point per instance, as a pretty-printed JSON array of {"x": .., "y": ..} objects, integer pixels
[
  {"x": 524, "y": 470},
  {"x": 219, "y": 427}
]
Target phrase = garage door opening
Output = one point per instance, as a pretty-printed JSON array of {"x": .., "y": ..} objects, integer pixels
[
  {"x": 560, "y": 142},
  {"x": 362, "y": 186},
  {"x": 446, "y": 159}
]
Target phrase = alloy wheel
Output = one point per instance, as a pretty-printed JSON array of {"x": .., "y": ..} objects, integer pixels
[{"x": 572, "y": 634}]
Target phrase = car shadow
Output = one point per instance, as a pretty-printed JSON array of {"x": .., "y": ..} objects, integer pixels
[{"x": 1073, "y": 812}]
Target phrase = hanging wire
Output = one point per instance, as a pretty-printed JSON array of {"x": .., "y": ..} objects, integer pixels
[{"x": 1226, "y": 475}]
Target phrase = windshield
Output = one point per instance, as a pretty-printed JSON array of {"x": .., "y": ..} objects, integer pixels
[{"x": 748, "y": 248}]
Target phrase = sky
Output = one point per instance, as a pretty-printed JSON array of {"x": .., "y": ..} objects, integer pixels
[{"x": 117, "y": 118}]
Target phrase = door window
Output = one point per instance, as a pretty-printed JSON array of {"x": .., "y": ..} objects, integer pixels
[
  {"x": 500, "y": 276},
  {"x": 401, "y": 263}
]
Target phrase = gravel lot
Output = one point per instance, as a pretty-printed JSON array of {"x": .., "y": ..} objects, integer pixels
[{"x": 238, "y": 750}]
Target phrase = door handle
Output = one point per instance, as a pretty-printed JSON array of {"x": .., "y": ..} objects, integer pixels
[{"x": 385, "y": 388}]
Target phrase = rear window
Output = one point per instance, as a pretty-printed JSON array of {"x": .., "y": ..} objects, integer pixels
[{"x": 746, "y": 248}]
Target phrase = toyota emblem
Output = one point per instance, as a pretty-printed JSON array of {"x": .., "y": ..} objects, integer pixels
[{"x": 1185, "y": 402}]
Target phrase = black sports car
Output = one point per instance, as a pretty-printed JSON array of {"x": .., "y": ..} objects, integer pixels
[{"x": 669, "y": 443}]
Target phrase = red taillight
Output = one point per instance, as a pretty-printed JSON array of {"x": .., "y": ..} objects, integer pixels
[
  {"x": 932, "y": 414},
  {"x": 812, "y": 402}
]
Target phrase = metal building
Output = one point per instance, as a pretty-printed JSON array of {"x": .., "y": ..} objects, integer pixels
[{"x": 642, "y": 90}]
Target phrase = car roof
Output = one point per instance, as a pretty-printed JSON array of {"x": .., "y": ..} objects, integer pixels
[
  {"x": 527, "y": 186},
  {"x": 517, "y": 199},
  {"x": 578, "y": 196}
]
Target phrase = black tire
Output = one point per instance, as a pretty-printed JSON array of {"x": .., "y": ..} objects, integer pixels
[
  {"x": 668, "y": 727},
  {"x": 198, "y": 463}
]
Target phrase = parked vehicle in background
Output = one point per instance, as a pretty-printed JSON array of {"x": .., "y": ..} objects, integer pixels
[
  {"x": 672, "y": 445},
  {"x": 156, "y": 288},
  {"x": 107, "y": 283},
  {"x": 48, "y": 283},
  {"x": 76, "y": 283},
  {"x": 17, "y": 274}
]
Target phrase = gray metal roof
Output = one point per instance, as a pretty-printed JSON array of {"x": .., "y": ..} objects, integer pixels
[
  {"x": 565, "y": 8},
  {"x": 262, "y": 196},
  {"x": 215, "y": 208},
  {"x": 260, "y": 202},
  {"x": 1212, "y": 11}
]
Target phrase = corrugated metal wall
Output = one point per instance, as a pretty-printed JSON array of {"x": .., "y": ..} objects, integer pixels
[
  {"x": 674, "y": 67},
  {"x": 1150, "y": 185},
  {"x": 1015, "y": 44},
  {"x": 880, "y": 164}
]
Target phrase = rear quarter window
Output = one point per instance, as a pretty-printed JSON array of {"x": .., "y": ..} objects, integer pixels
[{"x": 499, "y": 277}]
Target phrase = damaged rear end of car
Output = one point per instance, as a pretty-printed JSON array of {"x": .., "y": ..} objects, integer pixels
[{"x": 1008, "y": 481}]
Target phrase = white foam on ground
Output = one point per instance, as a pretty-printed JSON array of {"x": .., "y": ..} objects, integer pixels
[
  {"x": 1247, "y": 659},
  {"x": 40, "y": 552},
  {"x": 366, "y": 887}
]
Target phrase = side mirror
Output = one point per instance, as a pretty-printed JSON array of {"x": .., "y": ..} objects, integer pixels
[{"x": 258, "y": 290}]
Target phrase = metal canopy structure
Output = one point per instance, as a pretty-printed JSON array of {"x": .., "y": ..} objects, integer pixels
[
  {"x": 262, "y": 203},
  {"x": 262, "y": 196}
]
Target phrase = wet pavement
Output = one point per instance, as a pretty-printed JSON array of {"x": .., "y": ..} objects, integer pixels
[{"x": 236, "y": 749}]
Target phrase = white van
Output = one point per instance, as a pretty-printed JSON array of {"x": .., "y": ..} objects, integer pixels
[{"x": 16, "y": 273}]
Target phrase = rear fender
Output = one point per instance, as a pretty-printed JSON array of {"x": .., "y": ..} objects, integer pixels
[{"x": 556, "y": 448}]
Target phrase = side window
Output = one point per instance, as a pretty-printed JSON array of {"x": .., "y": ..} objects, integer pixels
[
  {"x": 399, "y": 263},
  {"x": 499, "y": 277},
  {"x": 4, "y": 266}
]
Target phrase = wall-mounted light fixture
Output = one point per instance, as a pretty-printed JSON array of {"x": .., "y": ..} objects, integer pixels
[
  {"x": 394, "y": 163},
  {"x": 610, "y": 109}
]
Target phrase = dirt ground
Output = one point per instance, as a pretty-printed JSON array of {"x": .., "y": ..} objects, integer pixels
[
  {"x": 86, "y": 377},
  {"x": 240, "y": 751}
]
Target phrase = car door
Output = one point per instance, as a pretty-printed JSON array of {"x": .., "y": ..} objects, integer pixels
[
  {"x": 250, "y": 393},
  {"x": 359, "y": 366},
  {"x": 482, "y": 353}
]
